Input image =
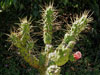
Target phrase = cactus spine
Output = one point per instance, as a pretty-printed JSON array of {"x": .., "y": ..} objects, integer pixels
[{"x": 49, "y": 61}]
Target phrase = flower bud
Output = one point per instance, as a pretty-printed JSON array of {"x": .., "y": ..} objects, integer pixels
[{"x": 77, "y": 55}]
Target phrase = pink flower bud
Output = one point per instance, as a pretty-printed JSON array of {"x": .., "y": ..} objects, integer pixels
[{"x": 77, "y": 55}]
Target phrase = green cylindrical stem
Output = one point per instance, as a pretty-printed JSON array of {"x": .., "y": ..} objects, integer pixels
[
  {"x": 48, "y": 18},
  {"x": 23, "y": 41},
  {"x": 25, "y": 31},
  {"x": 32, "y": 60},
  {"x": 61, "y": 55},
  {"x": 77, "y": 27}
]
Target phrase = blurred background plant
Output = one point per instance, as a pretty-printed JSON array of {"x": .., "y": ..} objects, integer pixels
[{"x": 89, "y": 44}]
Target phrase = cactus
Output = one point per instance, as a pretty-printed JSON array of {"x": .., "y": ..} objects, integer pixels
[{"x": 49, "y": 61}]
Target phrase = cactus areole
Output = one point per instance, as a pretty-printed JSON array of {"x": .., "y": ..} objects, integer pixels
[{"x": 49, "y": 61}]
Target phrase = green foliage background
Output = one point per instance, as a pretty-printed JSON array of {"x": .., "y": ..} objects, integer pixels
[{"x": 89, "y": 44}]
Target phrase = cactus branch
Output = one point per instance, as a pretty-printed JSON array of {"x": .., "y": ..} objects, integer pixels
[
  {"x": 22, "y": 40},
  {"x": 61, "y": 55},
  {"x": 48, "y": 19}
]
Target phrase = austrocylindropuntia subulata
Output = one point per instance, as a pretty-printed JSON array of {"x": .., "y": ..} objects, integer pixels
[{"x": 49, "y": 61}]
